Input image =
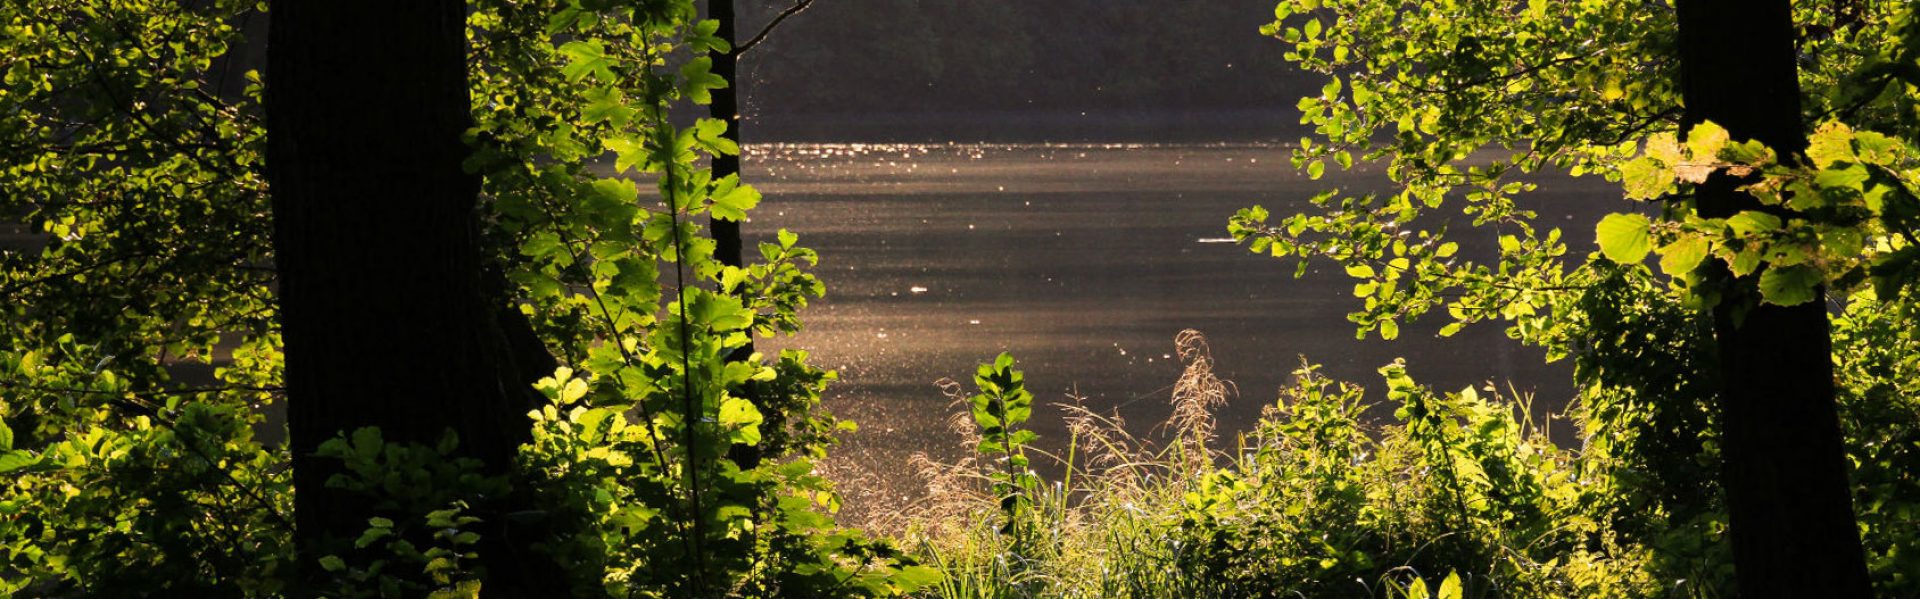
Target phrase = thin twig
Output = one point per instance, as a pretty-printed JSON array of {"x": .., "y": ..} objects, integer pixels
[{"x": 790, "y": 11}]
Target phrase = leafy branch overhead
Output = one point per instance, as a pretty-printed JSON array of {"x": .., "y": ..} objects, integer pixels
[
  {"x": 1458, "y": 103},
  {"x": 1843, "y": 216},
  {"x": 134, "y": 141},
  {"x": 1589, "y": 88}
]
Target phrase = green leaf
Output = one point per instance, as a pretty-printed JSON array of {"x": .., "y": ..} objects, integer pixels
[
  {"x": 711, "y": 135},
  {"x": 1749, "y": 152},
  {"x": 1645, "y": 179},
  {"x": 465, "y": 589},
  {"x": 1705, "y": 141},
  {"x": 1744, "y": 262},
  {"x": 1832, "y": 143},
  {"x": 739, "y": 413},
  {"x": 616, "y": 190},
  {"x": 1683, "y": 255},
  {"x": 1842, "y": 241},
  {"x": 332, "y": 563},
  {"x": 607, "y": 105},
  {"x": 371, "y": 536},
  {"x": 1875, "y": 147},
  {"x": 912, "y": 578},
  {"x": 1624, "y": 238},
  {"x": 587, "y": 57},
  {"x": 1789, "y": 286},
  {"x": 13, "y": 459},
  {"x": 1852, "y": 177},
  {"x": 700, "y": 80},
  {"x": 594, "y": 423},
  {"x": 1450, "y": 588},
  {"x": 6, "y": 436},
  {"x": 1022, "y": 436},
  {"x": 1389, "y": 330},
  {"x": 1753, "y": 222},
  {"x": 628, "y": 152},
  {"x": 367, "y": 442},
  {"x": 1664, "y": 148},
  {"x": 703, "y": 39},
  {"x": 717, "y": 311},
  {"x": 732, "y": 200}
]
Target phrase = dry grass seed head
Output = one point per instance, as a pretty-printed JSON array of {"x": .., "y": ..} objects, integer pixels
[{"x": 1197, "y": 394}]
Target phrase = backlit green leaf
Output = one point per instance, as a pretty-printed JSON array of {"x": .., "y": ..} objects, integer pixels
[
  {"x": 1790, "y": 285},
  {"x": 1683, "y": 255},
  {"x": 1753, "y": 222},
  {"x": 1624, "y": 238},
  {"x": 1705, "y": 140},
  {"x": 586, "y": 58}
]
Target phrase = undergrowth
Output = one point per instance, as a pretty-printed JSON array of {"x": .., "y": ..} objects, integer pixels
[{"x": 1460, "y": 493}]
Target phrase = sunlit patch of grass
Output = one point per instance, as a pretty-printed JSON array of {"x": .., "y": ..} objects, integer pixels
[{"x": 1313, "y": 502}]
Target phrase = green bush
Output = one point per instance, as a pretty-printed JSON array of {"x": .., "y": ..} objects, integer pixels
[{"x": 1320, "y": 500}]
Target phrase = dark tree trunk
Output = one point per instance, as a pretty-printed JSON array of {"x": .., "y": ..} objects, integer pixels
[
  {"x": 387, "y": 317},
  {"x": 726, "y": 107},
  {"x": 1791, "y": 514},
  {"x": 729, "y": 248}
]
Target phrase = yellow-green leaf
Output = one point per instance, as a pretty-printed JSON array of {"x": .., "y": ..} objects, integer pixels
[
  {"x": 1645, "y": 178},
  {"x": 1389, "y": 329},
  {"x": 1832, "y": 143},
  {"x": 1705, "y": 141},
  {"x": 1683, "y": 255},
  {"x": 1624, "y": 238}
]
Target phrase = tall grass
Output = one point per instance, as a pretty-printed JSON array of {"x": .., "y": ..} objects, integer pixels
[
  {"x": 1314, "y": 501},
  {"x": 1459, "y": 494}
]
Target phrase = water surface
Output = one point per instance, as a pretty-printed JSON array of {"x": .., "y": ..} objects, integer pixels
[{"x": 1084, "y": 261}]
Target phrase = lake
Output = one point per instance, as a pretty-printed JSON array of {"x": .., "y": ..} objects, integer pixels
[{"x": 1084, "y": 261}]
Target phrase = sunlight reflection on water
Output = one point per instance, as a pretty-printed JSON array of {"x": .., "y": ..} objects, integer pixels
[{"x": 1084, "y": 260}]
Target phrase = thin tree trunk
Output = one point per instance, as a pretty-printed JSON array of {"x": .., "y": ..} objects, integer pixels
[
  {"x": 729, "y": 247},
  {"x": 1791, "y": 514},
  {"x": 726, "y": 107},
  {"x": 386, "y": 316}
]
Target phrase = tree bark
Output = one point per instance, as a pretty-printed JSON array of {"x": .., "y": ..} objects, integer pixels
[
  {"x": 729, "y": 247},
  {"x": 1785, "y": 474},
  {"x": 387, "y": 319},
  {"x": 726, "y": 107}
]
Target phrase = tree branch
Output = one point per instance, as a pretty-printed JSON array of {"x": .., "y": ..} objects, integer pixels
[{"x": 798, "y": 6}]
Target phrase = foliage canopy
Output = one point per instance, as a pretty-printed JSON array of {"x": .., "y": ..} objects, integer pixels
[{"x": 142, "y": 343}]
